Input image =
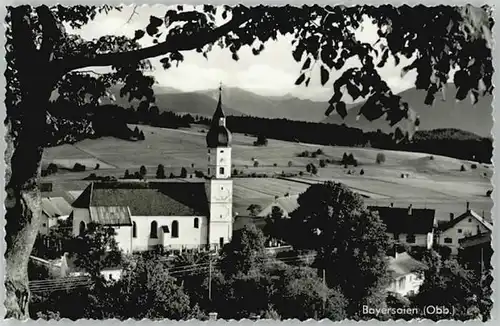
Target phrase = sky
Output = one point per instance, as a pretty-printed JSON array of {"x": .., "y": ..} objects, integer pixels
[{"x": 273, "y": 72}]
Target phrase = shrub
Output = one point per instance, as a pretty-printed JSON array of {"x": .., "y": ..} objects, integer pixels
[
  {"x": 314, "y": 155},
  {"x": 314, "y": 169},
  {"x": 380, "y": 158},
  {"x": 78, "y": 167},
  {"x": 431, "y": 157},
  {"x": 261, "y": 141},
  {"x": 256, "y": 164},
  {"x": 290, "y": 164},
  {"x": 275, "y": 164},
  {"x": 126, "y": 175},
  {"x": 97, "y": 166},
  {"x": 52, "y": 168},
  {"x": 235, "y": 172},
  {"x": 171, "y": 176},
  {"x": 160, "y": 172},
  {"x": 322, "y": 163},
  {"x": 462, "y": 168},
  {"x": 199, "y": 174},
  {"x": 143, "y": 171},
  {"x": 309, "y": 167},
  {"x": 473, "y": 166},
  {"x": 362, "y": 172},
  {"x": 301, "y": 173},
  {"x": 183, "y": 173},
  {"x": 489, "y": 192},
  {"x": 319, "y": 151}
]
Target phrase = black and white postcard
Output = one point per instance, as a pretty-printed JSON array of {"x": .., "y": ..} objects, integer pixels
[{"x": 249, "y": 161}]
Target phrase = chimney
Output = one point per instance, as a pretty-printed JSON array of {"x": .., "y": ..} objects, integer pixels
[
  {"x": 410, "y": 209},
  {"x": 468, "y": 206},
  {"x": 212, "y": 316},
  {"x": 452, "y": 216}
]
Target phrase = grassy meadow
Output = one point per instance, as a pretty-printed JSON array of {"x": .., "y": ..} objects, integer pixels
[{"x": 432, "y": 182}]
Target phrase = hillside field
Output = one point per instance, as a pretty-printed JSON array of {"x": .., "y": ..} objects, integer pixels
[{"x": 435, "y": 182}]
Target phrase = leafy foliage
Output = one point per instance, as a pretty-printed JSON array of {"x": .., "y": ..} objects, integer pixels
[
  {"x": 351, "y": 242},
  {"x": 96, "y": 249}
]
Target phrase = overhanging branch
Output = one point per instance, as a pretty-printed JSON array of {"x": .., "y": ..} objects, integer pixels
[{"x": 173, "y": 44}]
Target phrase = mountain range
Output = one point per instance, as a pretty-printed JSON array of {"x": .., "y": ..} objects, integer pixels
[{"x": 444, "y": 113}]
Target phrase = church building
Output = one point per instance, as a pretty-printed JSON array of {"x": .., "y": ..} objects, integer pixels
[{"x": 170, "y": 213}]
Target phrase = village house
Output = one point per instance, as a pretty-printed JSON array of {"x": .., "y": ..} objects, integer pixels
[
  {"x": 466, "y": 225},
  {"x": 175, "y": 215},
  {"x": 407, "y": 274},
  {"x": 53, "y": 209},
  {"x": 410, "y": 226}
]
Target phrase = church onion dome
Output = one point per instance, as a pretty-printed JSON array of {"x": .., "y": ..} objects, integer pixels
[{"x": 218, "y": 135}]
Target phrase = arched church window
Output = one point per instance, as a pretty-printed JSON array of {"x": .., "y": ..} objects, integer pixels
[
  {"x": 196, "y": 223},
  {"x": 221, "y": 170},
  {"x": 134, "y": 230},
  {"x": 82, "y": 228},
  {"x": 175, "y": 229},
  {"x": 154, "y": 230}
]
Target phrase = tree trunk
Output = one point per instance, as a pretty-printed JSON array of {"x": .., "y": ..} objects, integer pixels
[{"x": 23, "y": 209}]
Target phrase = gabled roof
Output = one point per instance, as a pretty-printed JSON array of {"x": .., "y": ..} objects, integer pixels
[
  {"x": 468, "y": 213},
  {"x": 406, "y": 221},
  {"x": 148, "y": 198},
  {"x": 405, "y": 264},
  {"x": 288, "y": 204},
  {"x": 55, "y": 206}
]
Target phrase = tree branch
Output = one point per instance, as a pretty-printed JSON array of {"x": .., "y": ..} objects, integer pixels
[
  {"x": 172, "y": 44},
  {"x": 52, "y": 31}
]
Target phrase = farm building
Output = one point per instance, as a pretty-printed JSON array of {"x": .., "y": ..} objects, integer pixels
[
  {"x": 466, "y": 225},
  {"x": 53, "y": 208},
  {"x": 406, "y": 274},
  {"x": 287, "y": 204},
  {"x": 175, "y": 215},
  {"x": 408, "y": 225}
]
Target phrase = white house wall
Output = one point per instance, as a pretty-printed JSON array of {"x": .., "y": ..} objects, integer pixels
[
  {"x": 123, "y": 238},
  {"x": 406, "y": 284},
  {"x": 421, "y": 240},
  {"x": 468, "y": 225},
  {"x": 189, "y": 236},
  {"x": 80, "y": 214}
]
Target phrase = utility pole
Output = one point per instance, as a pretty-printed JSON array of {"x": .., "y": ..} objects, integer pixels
[
  {"x": 324, "y": 295},
  {"x": 210, "y": 277}
]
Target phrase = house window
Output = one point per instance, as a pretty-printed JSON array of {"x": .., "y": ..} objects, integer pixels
[
  {"x": 222, "y": 151},
  {"x": 134, "y": 230},
  {"x": 175, "y": 229},
  {"x": 448, "y": 240},
  {"x": 208, "y": 171},
  {"x": 410, "y": 238},
  {"x": 459, "y": 230},
  {"x": 44, "y": 225},
  {"x": 82, "y": 227},
  {"x": 209, "y": 151},
  {"x": 153, "y": 234},
  {"x": 470, "y": 220},
  {"x": 196, "y": 223},
  {"x": 221, "y": 170},
  {"x": 221, "y": 242}
]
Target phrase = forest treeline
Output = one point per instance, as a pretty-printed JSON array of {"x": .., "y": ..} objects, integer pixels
[{"x": 112, "y": 120}]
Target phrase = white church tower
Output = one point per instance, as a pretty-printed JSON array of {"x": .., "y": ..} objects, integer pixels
[{"x": 220, "y": 185}]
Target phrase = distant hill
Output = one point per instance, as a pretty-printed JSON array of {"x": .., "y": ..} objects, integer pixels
[
  {"x": 444, "y": 113},
  {"x": 286, "y": 106}
]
